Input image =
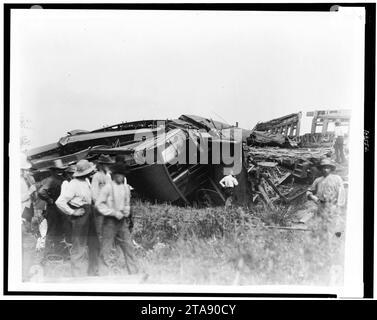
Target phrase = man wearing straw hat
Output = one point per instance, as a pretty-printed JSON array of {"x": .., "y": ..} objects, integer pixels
[
  {"x": 327, "y": 198},
  {"x": 99, "y": 180},
  {"x": 49, "y": 192},
  {"x": 327, "y": 189},
  {"x": 75, "y": 202},
  {"x": 114, "y": 204}
]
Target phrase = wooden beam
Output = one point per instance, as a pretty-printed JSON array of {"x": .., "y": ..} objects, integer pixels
[
  {"x": 325, "y": 126},
  {"x": 314, "y": 123}
]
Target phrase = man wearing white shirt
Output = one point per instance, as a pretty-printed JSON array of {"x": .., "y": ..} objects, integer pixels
[
  {"x": 228, "y": 183},
  {"x": 75, "y": 201}
]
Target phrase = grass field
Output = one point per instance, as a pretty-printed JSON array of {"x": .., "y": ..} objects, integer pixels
[
  {"x": 177, "y": 245},
  {"x": 215, "y": 246}
]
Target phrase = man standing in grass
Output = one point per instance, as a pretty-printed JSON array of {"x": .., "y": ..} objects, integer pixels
[
  {"x": 114, "y": 204},
  {"x": 326, "y": 198},
  {"x": 328, "y": 192},
  {"x": 76, "y": 202},
  {"x": 228, "y": 183}
]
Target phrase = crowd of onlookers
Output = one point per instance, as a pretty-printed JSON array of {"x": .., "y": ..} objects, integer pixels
[{"x": 87, "y": 210}]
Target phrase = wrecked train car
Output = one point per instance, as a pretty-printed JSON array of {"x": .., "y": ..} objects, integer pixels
[
  {"x": 77, "y": 141},
  {"x": 179, "y": 166},
  {"x": 169, "y": 160}
]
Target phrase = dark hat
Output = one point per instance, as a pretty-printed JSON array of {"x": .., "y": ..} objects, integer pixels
[
  {"x": 105, "y": 159},
  {"x": 71, "y": 169},
  {"x": 119, "y": 168},
  {"x": 119, "y": 158}
]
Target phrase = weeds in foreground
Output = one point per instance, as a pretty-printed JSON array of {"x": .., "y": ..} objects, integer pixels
[{"x": 214, "y": 246}]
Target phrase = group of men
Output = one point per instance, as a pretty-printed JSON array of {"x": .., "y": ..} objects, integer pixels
[{"x": 88, "y": 208}]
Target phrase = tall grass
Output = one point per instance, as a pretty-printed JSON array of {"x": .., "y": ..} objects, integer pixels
[
  {"x": 218, "y": 246},
  {"x": 214, "y": 246}
]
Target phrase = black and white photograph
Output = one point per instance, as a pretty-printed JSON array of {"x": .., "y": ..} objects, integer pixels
[{"x": 215, "y": 151}]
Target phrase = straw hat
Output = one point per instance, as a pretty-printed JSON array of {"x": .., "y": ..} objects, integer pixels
[
  {"x": 327, "y": 162},
  {"x": 83, "y": 168}
]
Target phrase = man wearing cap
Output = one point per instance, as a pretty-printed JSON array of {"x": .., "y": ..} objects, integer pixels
[
  {"x": 99, "y": 180},
  {"x": 49, "y": 192},
  {"x": 75, "y": 202},
  {"x": 339, "y": 142},
  {"x": 114, "y": 204}
]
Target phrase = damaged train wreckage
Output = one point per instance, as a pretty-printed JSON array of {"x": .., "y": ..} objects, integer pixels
[
  {"x": 177, "y": 160},
  {"x": 182, "y": 160}
]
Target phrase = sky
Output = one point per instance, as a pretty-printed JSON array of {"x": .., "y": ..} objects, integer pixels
[{"x": 88, "y": 68}]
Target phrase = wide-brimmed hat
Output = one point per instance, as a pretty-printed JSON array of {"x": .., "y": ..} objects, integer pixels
[
  {"x": 119, "y": 168},
  {"x": 83, "y": 168},
  {"x": 58, "y": 165},
  {"x": 105, "y": 159},
  {"x": 327, "y": 162}
]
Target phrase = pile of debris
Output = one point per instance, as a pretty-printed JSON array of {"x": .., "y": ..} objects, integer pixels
[
  {"x": 280, "y": 175},
  {"x": 164, "y": 153},
  {"x": 271, "y": 158},
  {"x": 267, "y": 139},
  {"x": 289, "y": 157}
]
